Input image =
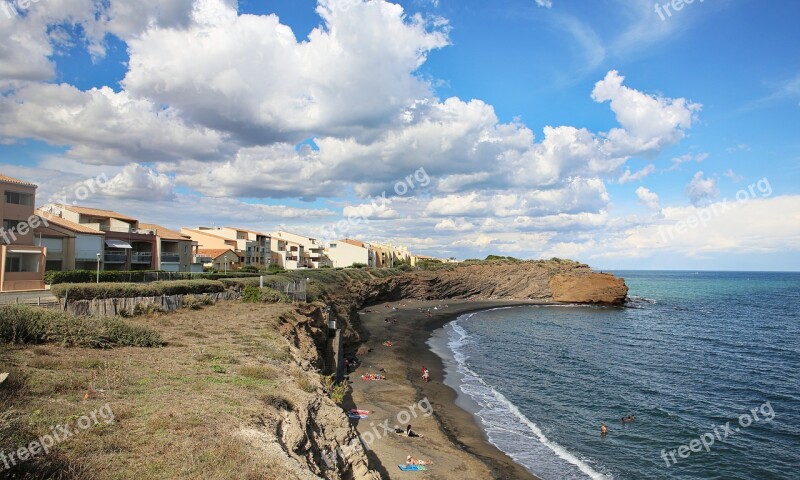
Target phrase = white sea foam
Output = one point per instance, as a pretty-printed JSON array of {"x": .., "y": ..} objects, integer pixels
[{"x": 508, "y": 428}]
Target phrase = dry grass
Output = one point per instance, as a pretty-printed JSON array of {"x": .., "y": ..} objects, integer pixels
[{"x": 176, "y": 417}]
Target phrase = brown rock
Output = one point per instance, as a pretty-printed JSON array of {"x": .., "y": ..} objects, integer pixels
[{"x": 600, "y": 288}]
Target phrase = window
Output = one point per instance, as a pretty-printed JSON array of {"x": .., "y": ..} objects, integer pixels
[
  {"x": 18, "y": 198},
  {"x": 10, "y": 225},
  {"x": 13, "y": 264}
]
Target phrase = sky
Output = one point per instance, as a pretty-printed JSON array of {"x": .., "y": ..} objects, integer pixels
[{"x": 625, "y": 134}]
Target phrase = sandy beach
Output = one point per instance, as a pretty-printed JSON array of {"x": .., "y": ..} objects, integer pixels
[{"x": 452, "y": 439}]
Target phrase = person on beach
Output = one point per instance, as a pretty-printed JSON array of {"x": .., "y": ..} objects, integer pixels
[
  {"x": 413, "y": 461},
  {"x": 412, "y": 433},
  {"x": 426, "y": 376},
  {"x": 603, "y": 429}
]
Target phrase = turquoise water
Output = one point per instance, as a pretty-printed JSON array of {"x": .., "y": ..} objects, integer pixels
[{"x": 693, "y": 352}]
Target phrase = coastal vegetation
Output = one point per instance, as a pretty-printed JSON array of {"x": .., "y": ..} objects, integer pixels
[
  {"x": 89, "y": 291},
  {"x": 198, "y": 401},
  {"x": 22, "y": 324},
  {"x": 228, "y": 379}
]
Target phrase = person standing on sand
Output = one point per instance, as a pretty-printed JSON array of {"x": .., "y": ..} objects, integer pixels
[{"x": 426, "y": 376}]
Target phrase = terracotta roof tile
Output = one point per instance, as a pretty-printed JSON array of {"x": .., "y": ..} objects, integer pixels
[
  {"x": 60, "y": 222},
  {"x": 164, "y": 232},
  {"x": 215, "y": 252},
  {"x": 97, "y": 212},
  {"x": 16, "y": 181},
  {"x": 354, "y": 242}
]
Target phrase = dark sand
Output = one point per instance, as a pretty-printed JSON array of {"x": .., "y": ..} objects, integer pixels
[{"x": 452, "y": 438}]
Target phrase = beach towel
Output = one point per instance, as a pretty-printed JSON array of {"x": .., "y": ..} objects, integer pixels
[
  {"x": 412, "y": 468},
  {"x": 356, "y": 416},
  {"x": 360, "y": 412}
]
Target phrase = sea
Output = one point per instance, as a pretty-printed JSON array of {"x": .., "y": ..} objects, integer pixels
[{"x": 708, "y": 363}]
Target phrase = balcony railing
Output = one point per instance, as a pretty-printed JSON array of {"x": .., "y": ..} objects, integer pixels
[
  {"x": 115, "y": 257},
  {"x": 170, "y": 258},
  {"x": 85, "y": 255},
  {"x": 141, "y": 257}
]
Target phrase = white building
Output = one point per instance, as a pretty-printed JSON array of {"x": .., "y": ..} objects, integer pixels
[
  {"x": 346, "y": 253},
  {"x": 298, "y": 251}
]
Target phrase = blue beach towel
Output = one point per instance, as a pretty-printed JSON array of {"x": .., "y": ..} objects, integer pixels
[
  {"x": 357, "y": 416},
  {"x": 412, "y": 468}
]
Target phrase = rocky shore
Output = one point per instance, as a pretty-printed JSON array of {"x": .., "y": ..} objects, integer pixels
[{"x": 561, "y": 281}]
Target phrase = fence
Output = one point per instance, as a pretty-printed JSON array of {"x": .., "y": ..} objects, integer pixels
[
  {"x": 134, "y": 276},
  {"x": 297, "y": 290},
  {"x": 113, "y": 307}
]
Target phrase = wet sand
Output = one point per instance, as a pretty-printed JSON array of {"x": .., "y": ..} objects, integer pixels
[{"x": 452, "y": 438}]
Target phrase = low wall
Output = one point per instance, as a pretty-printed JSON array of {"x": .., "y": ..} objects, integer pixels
[{"x": 114, "y": 307}]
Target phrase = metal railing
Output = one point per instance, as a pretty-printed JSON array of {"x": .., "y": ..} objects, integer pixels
[
  {"x": 141, "y": 257},
  {"x": 86, "y": 255},
  {"x": 170, "y": 258},
  {"x": 115, "y": 257}
]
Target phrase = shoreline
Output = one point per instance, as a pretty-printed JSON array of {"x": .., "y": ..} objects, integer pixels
[{"x": 454, "y": 438}]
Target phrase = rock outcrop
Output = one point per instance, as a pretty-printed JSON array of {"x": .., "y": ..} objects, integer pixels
[
  {"x": 545, "y": 281},
  {"x": 602, "y": 288}
]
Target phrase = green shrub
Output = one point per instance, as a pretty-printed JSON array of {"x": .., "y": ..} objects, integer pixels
[
  {"x": 54, "y": 277},
  {"x": 196, "y": 302},
  {"x": 89, "y": 291},
  {"x": 25, "y": 324},
  {"x": 254, "y": 294},
  {"x": 336, "y": 391},
  {"x": 359, "y": 265}
]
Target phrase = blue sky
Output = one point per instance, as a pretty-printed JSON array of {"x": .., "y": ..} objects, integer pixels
[{"x": 571, "y": 129}]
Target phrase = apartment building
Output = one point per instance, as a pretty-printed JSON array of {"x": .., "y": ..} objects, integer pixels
[
  {"x": 305, "y": 252},
  {"x": 174, "y": 251},
  {"x": 286, "y": 254},
  {"x": 22, "y": 263},
  {"x": 221, "y": 259},
  {"x": 388, "y": 255},
  {"x": 70, "y": 246},
  {"x": 254, "y": 247},
  {"x": 82, "y": 237},
  {"x": 347, "y": 252},
  {"x": 127, "y": 246}
]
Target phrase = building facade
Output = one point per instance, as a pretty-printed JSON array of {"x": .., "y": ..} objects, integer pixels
[
  {"x": 22, "y": 263},
  {"x": 254, "y": 247},
  {"x": 307, "y": 252},
  {"x": 347, "y": 252},
  {"x": 123, "y": 242}
]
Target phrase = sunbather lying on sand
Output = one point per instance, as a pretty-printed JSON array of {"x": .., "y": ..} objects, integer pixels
[
  {"x": 372, "y": 376},
  {"x": 388, "y": 343},
  {"x": 412, "y": 433},
  {"x": 413, "y": 461}
]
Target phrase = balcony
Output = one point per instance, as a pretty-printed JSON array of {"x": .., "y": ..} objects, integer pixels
[
  {"x": 141, "y": 257},
  {"x": 201, "y": 259},
  {"x": 170, "y": 258},
  {"x": 114, "y": 257}
]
